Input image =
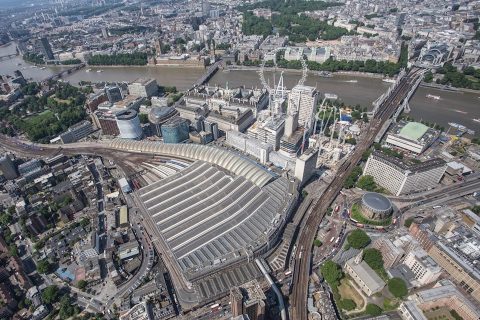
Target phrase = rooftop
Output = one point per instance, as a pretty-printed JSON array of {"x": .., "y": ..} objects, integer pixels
[{"x": 413, "y": 131}]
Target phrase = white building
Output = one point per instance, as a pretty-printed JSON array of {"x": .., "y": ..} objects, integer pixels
[
  {"x": 304, "y": 100},
  {"x": 412, "y": 136},
  {"x": 305, "y": 165},
  {"x": 410, "y": 311},
  {"x": 251, "y": 146},
  {"x": 425, "y": 269},
  {"x": 402, "y": 178},
  {"x": 143, "y": 87},
  {"x": 129, "y": 124},
  {"x": 269, "y": 131},
  {"x": 364, "y": 276}
]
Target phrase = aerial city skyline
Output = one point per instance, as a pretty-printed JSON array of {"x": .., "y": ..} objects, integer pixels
[{"x": 255, "y": 159}]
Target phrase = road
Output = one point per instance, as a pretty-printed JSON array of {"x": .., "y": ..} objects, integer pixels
[{"x": 303, "y": 254}]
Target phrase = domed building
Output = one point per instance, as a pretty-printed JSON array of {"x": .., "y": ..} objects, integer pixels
[
  {"x": 158, "y": 116},
  {"x": 376, "y": 206}
]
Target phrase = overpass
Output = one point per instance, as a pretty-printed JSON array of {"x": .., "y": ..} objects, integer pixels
[
  {"x": 207, "y": 75},
  {"x": 60, "y": 74},
  {"x": 386, "y": 108},
  {"x": 8, "y": 56}
]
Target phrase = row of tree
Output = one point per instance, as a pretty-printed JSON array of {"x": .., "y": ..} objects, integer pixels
[{"x": 127, "y": 59}]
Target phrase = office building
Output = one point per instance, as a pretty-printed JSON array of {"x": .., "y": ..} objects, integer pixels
[
  {"x": 7, "y": 168},
  {"x": 175, "y": 130},
  {"x": 105, "y": 119},
  {"x": 114, "y": 94},
  {"x": 231, "y": 119},
  {"x": 94, "y": 100},
  {"x": 211, "y": 127},
  {"x": 158, "y": 116},
  {"x": 400, "y": 177},
  {"x": 43, "y": 46},
  {"x": 76, "y": 132},
  {"x": 248, "y": 299},
  {"x": 426, "y": 270},
  {"x": 245, "y": 143},
  {"x": 458, "y": 267},
  {"x": 268, "y": 131},
  {"x": 29, "y": 167},
  {"x": 445, "y": 295},
  {"x": 364, "y": 276},
  {"x": 305, "y": 165},
  {"x": 303, "y": 99},
  {"x": 411, "y": 136},
  {"x": 143, "y": 88},
  {"x": 129, "y": 124},
  {"x": 391, "y": 253}
]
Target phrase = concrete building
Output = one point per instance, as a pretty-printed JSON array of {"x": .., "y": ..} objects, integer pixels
[
  {"x": 29, "y": 167},
  {"x": 7, "y": 168},
  {"x": 268, "y": 131},
  {"x": 105, "y": 119},
  {"x": 399, "y": 177},
  {"x": 410, "y": 311},
  {"x": 364, "y": 276},
  {"x": 175, "y": 130},
  {"x": 391, "y": 253},
  {"x": 445, "y": 295},
  {"x": 158, "y": 116},
  {"x": 43, "y": 46},
  {"x": 412, "y": 136},
  {"x": 305, "y": 165},
  {"x": 248, "y": 299},
  {"x": 304, "y": 100},
  {"x": 426, "y": 270},
  {"x": 76, "y": 132},
  {"x": 128, "y": 124},
  {"x": 245, "y": 143},
  {"x": 114, "y": 94},
  {"x": 143, "y": 88}
]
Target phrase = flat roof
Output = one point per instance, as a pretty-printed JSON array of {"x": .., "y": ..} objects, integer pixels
[
  {"x": 413, "y": 131},
  {"x": 123, "y": 216}
]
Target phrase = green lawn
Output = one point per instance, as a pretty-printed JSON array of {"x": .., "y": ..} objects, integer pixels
[{"x": 356, "y": 214}]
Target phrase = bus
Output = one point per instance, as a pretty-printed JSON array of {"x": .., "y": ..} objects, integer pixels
[
  {"x": 331, "y": 240},
  {"x": 287, "y": 273}
]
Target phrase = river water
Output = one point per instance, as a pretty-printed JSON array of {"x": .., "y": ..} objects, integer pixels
[{"x": 456, "y": 107}]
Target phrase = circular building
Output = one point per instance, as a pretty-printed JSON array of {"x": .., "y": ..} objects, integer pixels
[
  {"x": 158, "y": 116},
  {"x": 129, "y": 124},
  {"x": 376, "y": 206}
]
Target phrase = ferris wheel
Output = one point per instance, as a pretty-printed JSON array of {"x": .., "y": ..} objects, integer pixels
[{"x": 273, "y": 91}]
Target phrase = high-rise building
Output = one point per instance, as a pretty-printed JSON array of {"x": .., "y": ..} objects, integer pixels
[
  {"x": 77, "y": 132},
  {"x": 129, "y": 124},
  {"x": 43, "y": 46},
  {"x": 248, "y": 299},
  {"x": 158, "y": 116},
  {"x": 400, "y": 177},
  {"x": 306, "y": 164},
  {"x": 269, "y": 131},
  {"x": 7, "y": 168},
  {"x": 175, "y": 130},
  {"x": 143, "y": 88},
  {"x": 114, "y": 94},
  {"x": 303, "y": 99},
  {"x": 425, "y": 269},
  {"x": 107, "y": 122}
]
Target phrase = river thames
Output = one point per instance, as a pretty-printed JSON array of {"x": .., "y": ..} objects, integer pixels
[{"x": 453, "y": 106}]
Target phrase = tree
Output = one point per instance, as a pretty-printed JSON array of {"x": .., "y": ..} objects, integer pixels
[
  {"x": 358, "y": 239},
  {"x": 476, "y": 210},
  {"x": 50, "y": 294},
  {"x": 44, "y": 266},
  {"x": 373, "y": 258},
  {"x": 347, "y": 304},
  {"x": 82, "y": 284},
  {"x": 317, "y": 243},
  {"x": 373, "y": 310},
  {"x": 397, "y": 287},
  {"x": 143, "y": 118},
  {"x": 367, "y": 183},
  {"x": 409, "y": 222},
  {"x": 331, "y": 272},
  {"x": 67, "y": 309}
]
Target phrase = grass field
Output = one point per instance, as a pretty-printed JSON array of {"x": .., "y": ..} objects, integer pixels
[
  {"x": 347, "y": 291},
  {"x": 356, "y": 213}
]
